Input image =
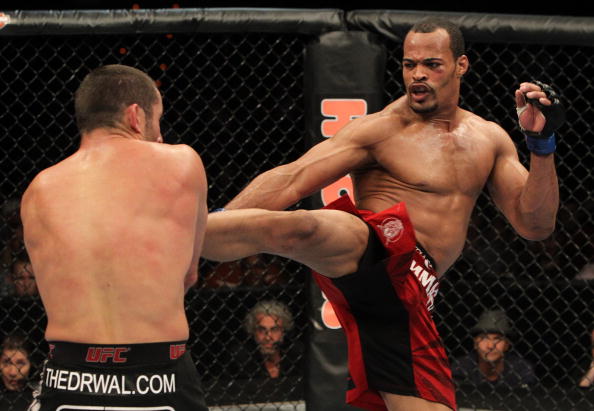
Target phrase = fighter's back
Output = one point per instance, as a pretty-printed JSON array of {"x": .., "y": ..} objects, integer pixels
[{"x": 111, "y": 232}]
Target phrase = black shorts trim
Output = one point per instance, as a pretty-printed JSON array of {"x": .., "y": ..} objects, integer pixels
[
  {"x": 171, "y": 385},
  {"x": 115, "y": 354}
]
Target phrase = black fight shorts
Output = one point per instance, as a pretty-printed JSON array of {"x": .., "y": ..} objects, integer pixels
[
  {"x": 385, "y": 311},
  {"x": 149, "y": 377}
]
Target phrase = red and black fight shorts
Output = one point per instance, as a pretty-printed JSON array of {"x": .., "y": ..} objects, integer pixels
[
  {"x": 155, "y": 377},
  {"x": 385, "y": 311}
]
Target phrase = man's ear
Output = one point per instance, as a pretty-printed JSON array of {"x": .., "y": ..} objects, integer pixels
[
  {"x": 462, "y": 65},
  {"x": 132, "y": 117}
]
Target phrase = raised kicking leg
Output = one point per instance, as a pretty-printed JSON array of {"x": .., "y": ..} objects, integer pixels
[{"x": 330, "y": 242}]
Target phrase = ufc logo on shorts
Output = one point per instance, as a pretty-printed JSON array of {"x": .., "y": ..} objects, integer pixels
[
  {"x": 342, "y": 111},
  {"x": 176, "y": 351},
  {"x": 103, "y": 354}
]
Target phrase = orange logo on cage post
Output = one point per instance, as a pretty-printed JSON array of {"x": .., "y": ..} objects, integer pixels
[
  {"x": 329, "y": 317},
  {"x": 342, "y": 111},
  {"x": 4, "y": 20},
  {"x": 337, "y": 189}
]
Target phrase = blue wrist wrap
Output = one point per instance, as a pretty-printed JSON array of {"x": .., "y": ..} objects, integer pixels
[
  {"x": 216, "y": 210},
  {"x": 541, "y": 146}
]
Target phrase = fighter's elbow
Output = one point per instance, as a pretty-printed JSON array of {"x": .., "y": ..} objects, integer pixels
[
  {"x": 292, "y": 182},
  {"x": 536, "y": 233}
]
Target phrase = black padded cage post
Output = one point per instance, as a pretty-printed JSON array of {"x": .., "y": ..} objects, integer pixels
[
  {"x": 344, "y": 74},
  {"x": 233, "y": 87}
]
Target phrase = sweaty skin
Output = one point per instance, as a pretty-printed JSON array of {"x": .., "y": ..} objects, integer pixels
[
  {"x": 114, "y": 233},
  {"x": 426, "y": 151},
  {"x": 421, "y": 149}
]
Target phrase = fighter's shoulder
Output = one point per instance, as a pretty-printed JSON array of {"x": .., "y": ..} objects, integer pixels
[
  {"x": 377, "y": 125},
  {"x": 379, "y": 120},
  {"x": 396, "y": 116},
  {"x": 46, "y": 177},
  {"x": 184, "y": 161},
  {"x": 42, "y": 181},
  {"x": 178, "y": 153},
  {"x": 486, "y": 128}
]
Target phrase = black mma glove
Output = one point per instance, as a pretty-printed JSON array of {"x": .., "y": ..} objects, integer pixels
[{"x": 543, "y": 142}]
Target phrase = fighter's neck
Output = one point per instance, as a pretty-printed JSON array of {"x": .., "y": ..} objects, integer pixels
[
  {"x": 445, "y": 120},
  {"x": 103, "y": 135}
]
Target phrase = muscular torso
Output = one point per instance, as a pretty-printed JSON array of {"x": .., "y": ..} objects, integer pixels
[
  {"x": 110, "y": 232},
  {"x": 437, "y": 168}
]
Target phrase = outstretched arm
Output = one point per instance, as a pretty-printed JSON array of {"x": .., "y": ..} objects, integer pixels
[
  {"x": 529, "y": 200},
  {"x": 323, "y": 164}
]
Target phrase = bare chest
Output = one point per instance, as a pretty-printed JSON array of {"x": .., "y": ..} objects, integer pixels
[{"x": 447, "y": 163}]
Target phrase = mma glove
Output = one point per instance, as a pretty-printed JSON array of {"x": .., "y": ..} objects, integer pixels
[{"x": 543, "y": 142}]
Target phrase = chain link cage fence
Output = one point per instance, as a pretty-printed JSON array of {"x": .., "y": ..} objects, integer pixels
[{"x": 237, "y": 98}]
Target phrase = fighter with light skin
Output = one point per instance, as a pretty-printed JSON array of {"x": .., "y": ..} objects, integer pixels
[
  {"x": 114, "y": 233},
  {"x": 423, "y": 150}
]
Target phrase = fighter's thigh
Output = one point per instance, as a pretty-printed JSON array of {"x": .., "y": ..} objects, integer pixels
[
  {"x": 395, "y": 402},
  {"x": 333, "y": 243}
]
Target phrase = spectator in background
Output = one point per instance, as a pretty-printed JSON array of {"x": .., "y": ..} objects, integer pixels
[
  {"x": 12, "y": 242},
  {"x": 267, "y": 354},
  {"x": 491, "y": 363},
  {"x": 267, "y": 365},
  {"x": 12, "y": 231},
  {"x": 15, "y": 365},
  {"x": 252, "y": 271},
  {"x": 587, "y": 379},
  {"x": 21, "y": 278}
]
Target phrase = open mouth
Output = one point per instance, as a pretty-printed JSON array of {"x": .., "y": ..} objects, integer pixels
[{"x": 419, "y": 91}]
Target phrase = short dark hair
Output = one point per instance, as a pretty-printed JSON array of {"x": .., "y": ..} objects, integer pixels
[
  {"x": 431, "y": 24},
  {"x": 16, "y": 342},
  {"x": 106, "y": 91}
]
